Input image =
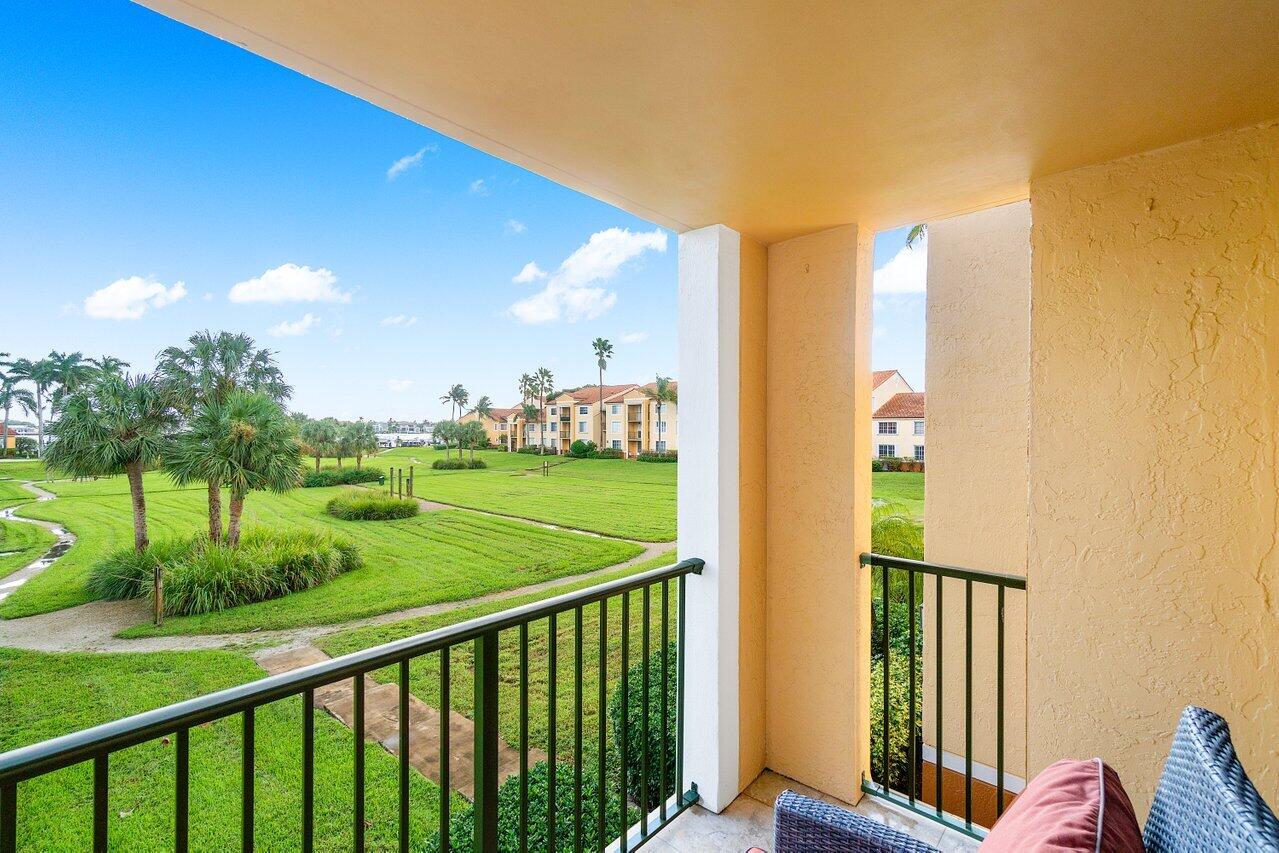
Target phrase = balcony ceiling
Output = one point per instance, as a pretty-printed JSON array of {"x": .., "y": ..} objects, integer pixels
[{"x": 781, "y": 118}]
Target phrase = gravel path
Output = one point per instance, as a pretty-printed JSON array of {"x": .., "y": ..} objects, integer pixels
[{"x": 93, "y": 627}]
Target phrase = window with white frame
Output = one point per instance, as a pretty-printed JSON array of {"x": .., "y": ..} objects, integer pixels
[
  {"x": 581, "y": 426},
  {"x": 502, "y": 427},
  {"x": 919, "y": 452},
  {"x": 617, "y": 444},
  {"x": 581, "y": 410},
  {"x": 615, "y": 409},
  {"x": 887, "y": 451},
  {"x": 661, "y": 427},
  {"x": 888, "y": 427},
  {"x": 919, "y": 427},
  {"x": 553, "y": 410},
  {"x": 615, "y": 426},
  {"x": 661, "y": 446},
  {"x": 553, "y": 426}
]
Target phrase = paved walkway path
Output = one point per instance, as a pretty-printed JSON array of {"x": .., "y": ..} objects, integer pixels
[
  {"x": 65, "y": 540},
  {"x": 382, "y": 723}
]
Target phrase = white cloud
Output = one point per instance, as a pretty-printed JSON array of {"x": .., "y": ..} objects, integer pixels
[
  {"x": 295, "y": 328},
  {"x": 290, "y": 283},
  {"x": 573, "y": 292},
  {"x": 408, "y": 161},
  {"x": 634, "y": 337},
  {"x": 129, "y": 298},
  {"x": 399, "y": 320},
  {"x": 530, "y": 272},
  {"x": 398, "y": 385},
  {"x": 479, "y": 187},
  {"x": 208, "y": 297},
  {"x": 514, "y": 226},
  {"x": 907, "y": 272}
]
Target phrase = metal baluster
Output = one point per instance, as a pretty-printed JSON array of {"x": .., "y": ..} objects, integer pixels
[
  {"x": 679, "y": 694},
  {"x": 644, "y": 706},
  {"x": 937, "y": 646},
  {"x": 246, "y": 783},
  {"x": 968, "y": 703},
  {"x": 666, "y": 683},
  {"x": 9, "y": 817},
  {"x": 577, "y": 731},
  {"x": 622, "y": 736},
  {"x": 601, "y": 721},
  {"x": 485, "y": 711},
  {"x": 523, "y": 737},
  {"x": 911, "y": 745},
  {"x": 181, "y": 798},
  {"x": 885, "y": 684},
  {"x": 100, "y": 797},
  {"x": 357, "y": 821},
  {"x": 553, "y": 639},
  {"x": 308, "y": 771},
  {"x": 445, "y": 713},
  {"x": 999, "y": 711},
  {"x": 404, "y": 755}
]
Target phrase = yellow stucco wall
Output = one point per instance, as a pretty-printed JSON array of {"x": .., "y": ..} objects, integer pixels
[
  {"x": 752, "y": 490},
  {"x": 818, "y": 315},
  {"x": 1154, "y": 464},
  {"x": 978, "y": 379}
]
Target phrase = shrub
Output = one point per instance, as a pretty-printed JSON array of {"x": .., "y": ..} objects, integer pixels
[
  {"x": 634, "y": 720},
  {"x": 899, "y": 726},
  {"x": 476, "y": 463},
  {"x": 200, "y": 577},
  {"x": 340, "y": 477},
  {"x": 353, "y": 506},
  {"x": 606, "y": 453},
  {"x": 659, "y": 456},
  {"x": 876, "y": 465},
  {"x": 462, "y": 825},
  {"x": 529, "y": 449},
  {"x": 458, "y": 464},
  {"x": 125, "y": 573},
  {"x": 582, "y": 449}
]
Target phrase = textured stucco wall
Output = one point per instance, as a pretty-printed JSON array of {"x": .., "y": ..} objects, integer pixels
[
  {"x": 818, "y": 497},
  {"x": 752, "y": 490},
  {"x": 1154, "y": 479},
  {"x": 978, "y": 378}
]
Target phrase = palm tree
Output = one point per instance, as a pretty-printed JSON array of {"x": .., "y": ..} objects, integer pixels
[
  {"x": 43, "y": 374},
  {"x": 208, "y": 370},
  {"x": 362, "y": 440},
  {"x": 529, "y": 411},
  {"x": 544, "y": 381},
  {"x": 603, "y": 352},
  {"x": 527, "y": 385},
  {"x": 114, "y": 424},
  {"x": 319, "y": 435},
  {"x": 484, "y": 411},
  {"x": 662, "y": 393},
  {"x": 244, "y": 441},
  {"x": 108, "y": 364},
  {"x": 916, "y": 233},
  {"x": 71, "y": 372},
  {"x": 11, "y": 395}
]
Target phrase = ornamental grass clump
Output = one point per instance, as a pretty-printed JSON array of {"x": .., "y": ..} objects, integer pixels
[
  {"x": 202, "y": 577},
  {"x": 353, "y": 506}
]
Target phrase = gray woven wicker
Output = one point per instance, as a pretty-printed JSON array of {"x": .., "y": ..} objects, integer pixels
[
  {"x": 1204, "y": 800},
  {"x": 804, "y": 825}
]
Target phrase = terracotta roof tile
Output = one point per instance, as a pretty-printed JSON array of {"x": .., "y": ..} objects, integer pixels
[
  {"x": 879, "y": 377},
  {"x": 591, "y": 393},
  {"x": 906, "y": 405}
]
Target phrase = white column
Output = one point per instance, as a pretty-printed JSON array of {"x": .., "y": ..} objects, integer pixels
[{"x": 708, "y": 491}]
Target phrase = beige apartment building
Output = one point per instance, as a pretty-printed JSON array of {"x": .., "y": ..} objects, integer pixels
[
  {"x": 897, "y": 419},
  {"x": 633, "y": 422}
]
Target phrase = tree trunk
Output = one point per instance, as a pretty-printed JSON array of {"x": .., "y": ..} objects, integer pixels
[
  {"x": 4, "y": 436},
  {"x": 659, "y": 424},
  {"x": 215, "y": 511},
  {"x": 39, "y": 424},
  {"x": 317, "y": 464},
  {"x": 601, "y": 405},
  {"x": 339, "y": 463},
  {"x": 233, "y": 520},
  {"x": 358, "y": 460},
  {"x": 134, "y": 472}
]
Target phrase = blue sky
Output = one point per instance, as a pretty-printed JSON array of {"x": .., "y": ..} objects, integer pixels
[{"x": 155, "y": 181}]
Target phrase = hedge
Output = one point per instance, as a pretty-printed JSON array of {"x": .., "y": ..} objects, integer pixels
[
  {"x": 462, "y": 825},
  {"x": 340, "y": 477},
  {"x": 606, "y": 453},
  {"x": 457, "y": 464},
  {"x": 371, "y": 507},
  {"x": 659, "y": 456},
  {"x": 581, "y": 449},
  {"x": 657, "y": 792}
]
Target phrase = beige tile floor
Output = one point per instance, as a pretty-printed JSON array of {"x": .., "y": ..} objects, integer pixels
[{"x": 748, "y": 822}]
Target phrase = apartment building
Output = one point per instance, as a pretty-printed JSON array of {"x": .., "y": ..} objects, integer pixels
[
  {"x": 633, "y": 421},
  {"x": 897, "y": 422}
]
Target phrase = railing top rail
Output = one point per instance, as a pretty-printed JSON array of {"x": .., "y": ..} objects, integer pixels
[
  {"x": 39, "y": 758},
  {"x": 922, "y": 567}
]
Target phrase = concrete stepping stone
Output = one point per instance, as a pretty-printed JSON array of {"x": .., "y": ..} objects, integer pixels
[{"x": 382, "y": 723}]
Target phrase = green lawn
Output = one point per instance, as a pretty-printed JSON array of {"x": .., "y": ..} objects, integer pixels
[
  {"x": 424, "y": 672},
  {"x": 436, "y": 556},
  {"x": 20, "y": 544},
  {"x": 12, "y": 493},
  {"x": 633, "y": 500},
  {"x": 55, "y": 811},
  {"x": 900, "y": 487},
  {"x": 22, "y": 469}
]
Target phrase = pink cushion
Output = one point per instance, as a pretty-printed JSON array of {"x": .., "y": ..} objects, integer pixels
[{"x": 1072, "y": 805}]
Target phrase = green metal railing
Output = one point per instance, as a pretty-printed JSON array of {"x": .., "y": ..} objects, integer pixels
[
  {"x": 99, "y": 743},
  {"x": 914, "y": 572}
]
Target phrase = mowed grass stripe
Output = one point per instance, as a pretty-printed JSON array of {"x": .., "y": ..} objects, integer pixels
[{"x": 434, "y": 557}]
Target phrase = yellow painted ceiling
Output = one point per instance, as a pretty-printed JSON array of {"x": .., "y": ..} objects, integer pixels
[{"x": 781, "y": 118}]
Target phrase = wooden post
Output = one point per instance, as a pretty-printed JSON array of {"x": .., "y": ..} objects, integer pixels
[
  {"x": 410, "y": 481},
  {"x": 158, "y": 582}
]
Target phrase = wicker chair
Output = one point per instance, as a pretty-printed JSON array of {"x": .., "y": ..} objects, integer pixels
[{"x": 1204, "y": 803}]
